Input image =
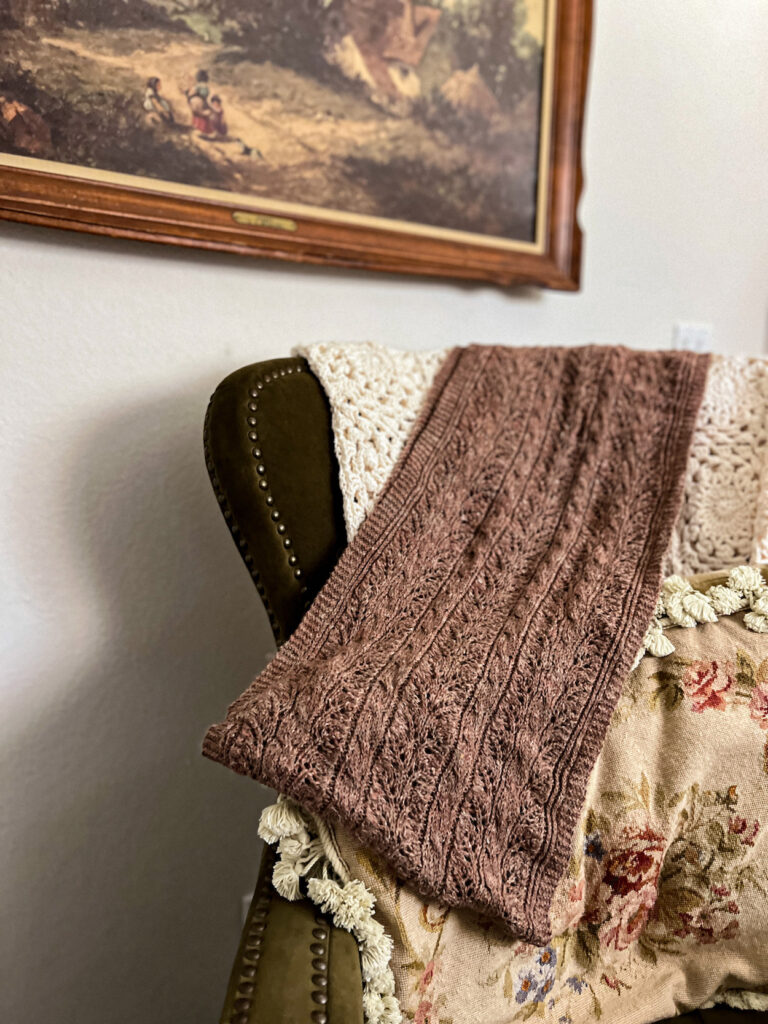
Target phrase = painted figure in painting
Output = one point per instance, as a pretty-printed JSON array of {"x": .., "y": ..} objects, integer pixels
[
  {"x": 216, "y": 118},
  {"x": 157, "y": 108},
  {"x": 197, "y": 97}
]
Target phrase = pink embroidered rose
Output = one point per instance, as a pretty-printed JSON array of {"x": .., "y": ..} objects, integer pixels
[
  {"x": 629, "y": 915},
  {"x": 708, "y": 925},
  {"x": 422, "y": 1012},
  {"x": 741, "y": 827},
  {"x": 758, "y": 705},
  {"x": 706, "y": 682},
  {"x": 426, "y": 978},
  {"x": 629, "y": 885},
  {"x": 635, "y": 864}
]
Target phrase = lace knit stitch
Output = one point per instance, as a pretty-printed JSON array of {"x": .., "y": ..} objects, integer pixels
[
  {"x": 376, "y": 393},
  {"x": 447, "y": 693}
]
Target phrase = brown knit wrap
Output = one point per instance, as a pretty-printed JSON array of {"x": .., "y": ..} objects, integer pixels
[{"x": 447, "y": 694}]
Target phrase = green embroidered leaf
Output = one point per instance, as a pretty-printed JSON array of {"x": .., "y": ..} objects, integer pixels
[
  {"x": 645, "y": 791},
  {"x": 671, "y": 674},
  {"x": 586, "y": 947},
  {"x": 667, "y": 694},
  {"x": 531, "y": 1010},
  {"x": 509, "y": 985},
  {"x": 748, "y": 875},
  {"x": 667, "y": 945},
  {"x": 746, "y": 671},
  {"x": 715, "y": 833},
  {"x": 415, "y": 965},
  {"x": 597, "y": 1009},
  {"x": 614, "y": 796},
  {"x": 646, "y": 953},
  {"x": 682, "y": 900}
]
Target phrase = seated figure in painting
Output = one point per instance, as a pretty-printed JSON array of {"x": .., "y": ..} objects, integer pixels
[
  {"x": 216, "y": 118},
  {"x": 157, "y": 108}
]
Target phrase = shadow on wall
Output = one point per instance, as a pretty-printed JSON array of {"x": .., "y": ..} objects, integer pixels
[{"x": 132, "y": 850}]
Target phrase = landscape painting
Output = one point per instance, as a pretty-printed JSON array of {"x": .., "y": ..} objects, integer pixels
[{"x": 429, "y": 117}]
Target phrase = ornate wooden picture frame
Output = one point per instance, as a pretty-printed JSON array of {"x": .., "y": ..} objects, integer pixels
[{"x": 438, "y": 138}]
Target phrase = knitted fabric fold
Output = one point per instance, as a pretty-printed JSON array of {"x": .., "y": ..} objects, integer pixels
[{"x": 446, "y": 695}]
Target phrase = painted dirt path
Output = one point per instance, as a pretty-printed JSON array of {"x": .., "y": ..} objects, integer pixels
[{"x": 300, "y": 133}]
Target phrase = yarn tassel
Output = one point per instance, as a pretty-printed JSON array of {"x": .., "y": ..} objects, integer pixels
[
  {"x": 680, "y": 604},
  {"x": 302, "y": 855}
]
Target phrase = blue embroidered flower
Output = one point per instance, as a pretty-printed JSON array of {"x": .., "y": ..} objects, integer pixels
[
  {"x": 593, "y": 846},
  {"x": 545, "y": 988},
  {"x": 526, "y": 987},
  {"x": 577, "y": 984},
  {"x": 546, "y": 958}
]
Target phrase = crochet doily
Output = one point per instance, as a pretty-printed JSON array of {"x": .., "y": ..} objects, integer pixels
[
  {"x": 376, "y": 393},
  {"x": 723, "y": 519}
]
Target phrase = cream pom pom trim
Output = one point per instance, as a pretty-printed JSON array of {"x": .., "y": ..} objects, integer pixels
[
  {"x": 680, "y": 604},
  {"x": 306, "y": 850}
]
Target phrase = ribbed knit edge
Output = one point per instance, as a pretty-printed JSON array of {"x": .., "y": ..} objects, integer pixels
[{"x": 551, "y": 862}]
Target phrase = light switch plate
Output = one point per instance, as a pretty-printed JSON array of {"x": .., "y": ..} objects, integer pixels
[{"x": 692, "y": 337}]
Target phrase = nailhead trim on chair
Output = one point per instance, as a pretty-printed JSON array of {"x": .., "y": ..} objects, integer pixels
[
  {"x": 252, "y": 951},
  {"x": 234, "y": 529},
  {"x": 261, "y": 469},
  {"x": 252, "y": 406},
  {"x": 251, "y": 955},
  {"x": 319, "y": 992}
]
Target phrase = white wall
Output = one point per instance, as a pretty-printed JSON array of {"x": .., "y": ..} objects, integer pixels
[{"x": 128, "y": 620}]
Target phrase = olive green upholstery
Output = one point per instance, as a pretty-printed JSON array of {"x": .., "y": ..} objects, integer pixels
[
  {"x": 292, "y": 966},
  {"x": 269, "y": 453}
]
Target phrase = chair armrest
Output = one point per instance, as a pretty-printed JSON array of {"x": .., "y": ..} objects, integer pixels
[
  {"x": 292, "y": 965},
  {"x": 269, "y": 452}
]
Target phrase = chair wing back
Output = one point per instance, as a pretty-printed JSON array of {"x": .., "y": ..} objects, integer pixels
[{"x": 270, "y": 456}]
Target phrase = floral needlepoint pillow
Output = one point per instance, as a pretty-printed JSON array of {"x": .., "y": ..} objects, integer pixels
[{"x": 664, "y": 905}]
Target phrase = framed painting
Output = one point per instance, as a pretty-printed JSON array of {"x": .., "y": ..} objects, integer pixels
[{"x": 437, "y": 137}]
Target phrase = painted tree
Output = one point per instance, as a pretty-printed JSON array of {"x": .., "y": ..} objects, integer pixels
[{"x": 491, "y": 34}]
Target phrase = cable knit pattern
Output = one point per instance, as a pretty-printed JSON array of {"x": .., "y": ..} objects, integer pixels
[
  {"x": 376, "y": 394},
  {"x": 447, "y": 693},
  {"x": 723, "y": 520}
]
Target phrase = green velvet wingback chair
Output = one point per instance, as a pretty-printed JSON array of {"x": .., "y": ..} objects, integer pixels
[{"x": 270, "y": 456}]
